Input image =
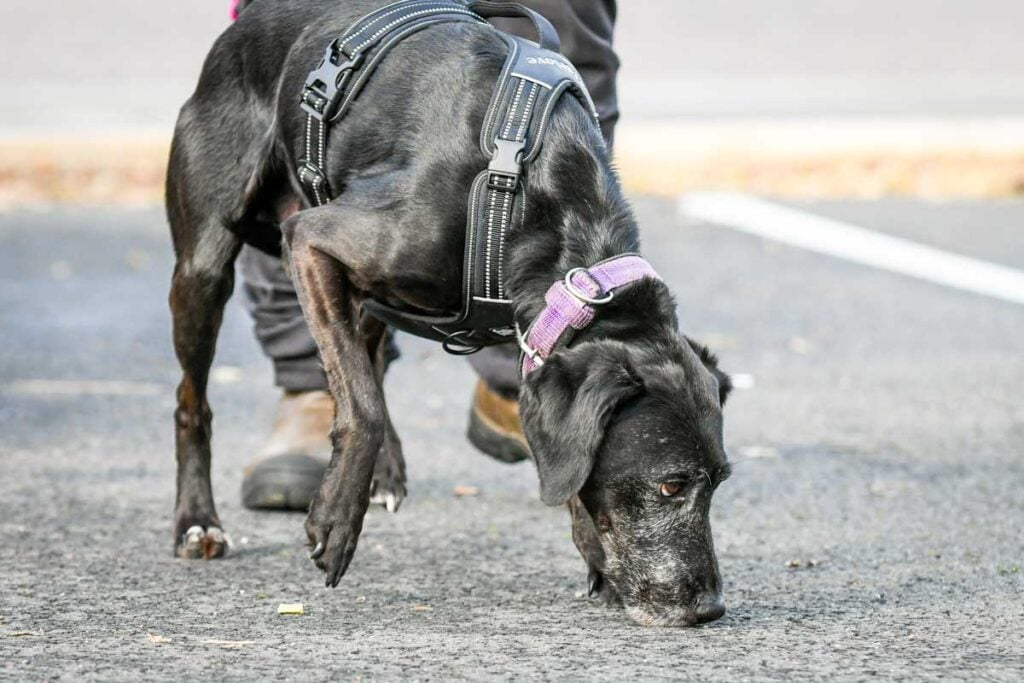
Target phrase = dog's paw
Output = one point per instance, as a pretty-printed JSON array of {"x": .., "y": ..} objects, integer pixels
[
  {"x": 388, "y": 486},
  {"x": 599, "y": 588},
  {"x": 387, "y": 492},
  {"x": 202, "y": 543},
  {"x": 333, "y": 545}
]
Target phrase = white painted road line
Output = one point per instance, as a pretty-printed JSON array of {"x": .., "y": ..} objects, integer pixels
[
  {"x": 853, "y": 243},
  {"x": 76, "y": 387}
]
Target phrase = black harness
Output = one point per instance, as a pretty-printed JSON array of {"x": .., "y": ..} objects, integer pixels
[{"x": 531, "y": 82}]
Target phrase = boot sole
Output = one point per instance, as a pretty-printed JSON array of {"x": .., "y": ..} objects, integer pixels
[
  {"x": 493, "y": 441},
  {"x": 284, "y": 482}
]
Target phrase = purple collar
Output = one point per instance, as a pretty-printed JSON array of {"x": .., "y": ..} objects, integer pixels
[{"x": 573, "y": 301}]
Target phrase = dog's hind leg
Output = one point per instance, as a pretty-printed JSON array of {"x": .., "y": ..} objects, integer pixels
[
  {"x": 202, "y": 284},
  {"x": 204, "y": 182}
]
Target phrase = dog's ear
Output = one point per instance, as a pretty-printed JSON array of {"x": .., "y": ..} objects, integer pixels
[
  {"x": 710, "y": 361},
  {"x": 566, "y": 406}
]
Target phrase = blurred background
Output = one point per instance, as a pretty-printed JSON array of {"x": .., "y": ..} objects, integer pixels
[
  {"x": 791, "y": 97},
  {"x": 833, "y": 188}
]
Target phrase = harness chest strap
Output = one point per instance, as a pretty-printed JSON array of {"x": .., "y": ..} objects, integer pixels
[
  {"x": 531, "y": 83},
  {"x": 529, "y": 86}
]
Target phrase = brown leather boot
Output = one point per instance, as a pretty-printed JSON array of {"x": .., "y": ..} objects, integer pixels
[
  {"x": 494, "y": 426},
  {"x": 291, "y": 464}
]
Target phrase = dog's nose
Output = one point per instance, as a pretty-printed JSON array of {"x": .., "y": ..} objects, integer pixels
[{"x": 710, "y": 609}]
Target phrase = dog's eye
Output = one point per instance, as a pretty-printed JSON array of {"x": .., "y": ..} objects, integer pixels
[{"x": 670, "y": 489}]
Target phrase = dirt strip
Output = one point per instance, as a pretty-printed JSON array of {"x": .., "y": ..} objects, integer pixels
[
  {"x": 790, "y": 159},
  {"x": 827, "y": 158},
  {"x": 120, "y": 169}
]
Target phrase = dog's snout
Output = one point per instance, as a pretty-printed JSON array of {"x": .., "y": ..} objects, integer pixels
[{"x": 710, "y": 609}]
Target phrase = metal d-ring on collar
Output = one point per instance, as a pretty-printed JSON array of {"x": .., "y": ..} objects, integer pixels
[{"x": 571, "y": 287}]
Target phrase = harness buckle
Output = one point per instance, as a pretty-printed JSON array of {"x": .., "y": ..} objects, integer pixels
[
  {"x": 321, "y": 93},
  {"x": 506, "y": 165}
]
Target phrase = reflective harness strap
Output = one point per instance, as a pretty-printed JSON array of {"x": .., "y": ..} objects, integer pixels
[
  {"x": 348, "y": 63},
  {"x": 529, "y": 86}
]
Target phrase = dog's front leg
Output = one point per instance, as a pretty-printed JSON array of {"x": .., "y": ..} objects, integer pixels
[
  {"x": 388, "y": 486},
  {"x": 584, "y": 535},
  {"x": 330, "y": 303}
]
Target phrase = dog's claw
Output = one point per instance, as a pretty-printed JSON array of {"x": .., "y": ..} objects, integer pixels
[
  {"x": 594, "y": 582},
  {"x": 198, "y": 543},
  {"x": 192, "y": 543},
  {"x": 335, "y": 544},
  {"x": 387, "y": 488},
  {"x": 390, "y": 501}
]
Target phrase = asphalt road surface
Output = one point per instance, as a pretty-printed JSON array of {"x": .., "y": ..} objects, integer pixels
[{"x": 871, "y": 528}]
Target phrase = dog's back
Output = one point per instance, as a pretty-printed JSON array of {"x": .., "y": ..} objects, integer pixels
[{"x": 411, "y": 135}]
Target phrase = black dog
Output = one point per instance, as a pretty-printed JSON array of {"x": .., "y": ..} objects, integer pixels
[{"x": 625, "y": 423}]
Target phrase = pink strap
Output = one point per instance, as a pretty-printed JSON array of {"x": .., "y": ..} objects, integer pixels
[{"x": 566, "y": 309}]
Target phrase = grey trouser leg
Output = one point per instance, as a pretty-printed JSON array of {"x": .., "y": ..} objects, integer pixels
[
  {"x": 585, "y": 27},
  {"x": 277, "y": 319}
]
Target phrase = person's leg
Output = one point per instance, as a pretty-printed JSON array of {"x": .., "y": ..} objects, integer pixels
[
  {"x": 279, "y": 326},
  {"x": 586, "y": 28},
  {"x": 281, "y": 330},
  {"x": 289, "y": 466}
]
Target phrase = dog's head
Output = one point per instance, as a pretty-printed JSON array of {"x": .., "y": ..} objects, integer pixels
[{"x": 635, "y": 432}]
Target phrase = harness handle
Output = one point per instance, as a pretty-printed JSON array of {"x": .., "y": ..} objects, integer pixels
[{"x": 546, "y": 33}]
